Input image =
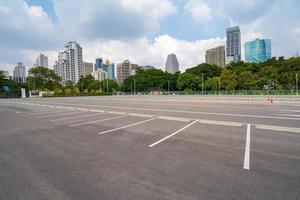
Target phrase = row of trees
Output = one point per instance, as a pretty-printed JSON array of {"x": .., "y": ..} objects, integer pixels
[
  {"x": 44, "y": 79},
  {"x": 275, "y": 74}
]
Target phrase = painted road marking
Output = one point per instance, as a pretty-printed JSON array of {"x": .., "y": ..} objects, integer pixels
[
  {"x": 182, "y": 111},
  {"x": 127, "y": 126},
  {"x": 46, "y": 112},
  {"x": 278, "y": 128},
  {"x": 32, "y": 111},
  {"x": 288, "y": 115},
  {"x": 96, "y": 121},
  {"x": 247, "y": 149},
  {"x": 61, "y": 114},
  {"x": 181, "y": 119},
  {"x": 92, "y": 110},
  {"x": 290, "y": 111},
  {"x": 163, "y": 139},
  {"x": 222, "y": 123},
  {"x": 76, "y": 117},
  {"x": 225, "y": 123}
]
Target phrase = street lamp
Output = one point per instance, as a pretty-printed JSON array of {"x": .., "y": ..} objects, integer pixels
[
  {"x": 134, "y": 86},
  {"x": 107, "y": 85},
  {"x": 169, "y": 87},
  {"x": 202, "y": 83},
  {"x": 296, "y": 84},
  {"x": 219, "y": 84}
]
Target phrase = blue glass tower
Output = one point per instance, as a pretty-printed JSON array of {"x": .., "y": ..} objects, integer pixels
[
  {"x": 107, "y": 67},
  {"x": 98, "y": 64},
  {"x": 111, "y": 71},
  {"x": 258, "y": 50},
  {"x": 233, "y": 44}
]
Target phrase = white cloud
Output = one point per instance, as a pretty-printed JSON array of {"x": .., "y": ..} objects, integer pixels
[
  {"x": 120, "y": 29},
  {"x": 142, "y": 51},
  {"x": 111, "y": 19},
  {"x": 199, "y": 10}
]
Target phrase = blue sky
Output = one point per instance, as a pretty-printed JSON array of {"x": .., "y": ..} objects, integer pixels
[{"x": 143, "y": 31}]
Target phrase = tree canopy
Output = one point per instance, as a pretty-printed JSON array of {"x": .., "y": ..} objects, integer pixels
[{"x": 40, "y": 78}]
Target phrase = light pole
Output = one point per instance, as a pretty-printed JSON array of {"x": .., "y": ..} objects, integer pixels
[
  {"x": 134, "y": 86},
  {"x": 169, "y": 87},
  {"x": 296, "y": 84},
  {"x": 107, "y": 85},
  {"x": 219, "y": 85},
  {"x": 202, "y": 83}
]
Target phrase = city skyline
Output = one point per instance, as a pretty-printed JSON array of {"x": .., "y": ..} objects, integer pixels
[{"x": 187, "y": 28}]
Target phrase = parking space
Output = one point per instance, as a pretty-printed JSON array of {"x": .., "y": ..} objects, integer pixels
[
  {"x": 276, "y": 151},
  {"x": 173, "y": 156}
]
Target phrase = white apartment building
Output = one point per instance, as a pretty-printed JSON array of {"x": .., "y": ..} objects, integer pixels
[
  {"x": 41, "y": 61},
  {"x": 69, "y": 65}
]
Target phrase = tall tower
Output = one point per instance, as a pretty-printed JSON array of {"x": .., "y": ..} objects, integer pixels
[
  {"x": 69, "y": 64},
  {"x": 41, "y": 61},
  {"x": 124, "y": 70},
  {"x": 172, "y": 65},
  {"x": 258, "y": 50},
  {"x": 233, "y": 44},
  {"x": 215, "y": 56},
  {"x": 20, "y": 73}
]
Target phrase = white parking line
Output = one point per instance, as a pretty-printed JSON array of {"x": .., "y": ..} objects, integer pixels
[
  {"x": 61, "y": 114},
  {"x": 163, "y": 139},
  {"x": 127, "y": 126},
  {"x": 101, "y": 120},
  {"x": 32, "y": 111},
  {"x": 247, "y": 149},
  {"x": 180, "y": 111},
  {"x": 46, "y": 112},
  {"x": 278, "y": 128},
  {"x": 67, "y": 118},
  {"x": 288, "y": 115}
]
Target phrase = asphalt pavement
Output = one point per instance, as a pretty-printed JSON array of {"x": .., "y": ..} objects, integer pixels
[{"x": 150, "y": 147}]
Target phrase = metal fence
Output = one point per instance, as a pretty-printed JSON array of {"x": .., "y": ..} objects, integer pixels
[{"x": 215, "y": 92}]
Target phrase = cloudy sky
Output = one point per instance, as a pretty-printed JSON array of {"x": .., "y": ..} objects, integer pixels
[{"x": 143, "y": 31}]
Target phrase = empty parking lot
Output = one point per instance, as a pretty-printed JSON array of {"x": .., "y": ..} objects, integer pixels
[{"x": 150, "y": 147}]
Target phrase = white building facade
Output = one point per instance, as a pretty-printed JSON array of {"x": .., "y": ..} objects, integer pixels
[
  {"x": 69, "y": 65},
  {"x": 41, "y": 61}
]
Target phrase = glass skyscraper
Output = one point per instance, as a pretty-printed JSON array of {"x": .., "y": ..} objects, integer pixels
[
  {"x": 233, "y": 44},
  {"x": 258, "y": 50},
  {"x": 107, "y": 67}
]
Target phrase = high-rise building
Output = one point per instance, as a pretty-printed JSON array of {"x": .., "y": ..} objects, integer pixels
[
  {"x": 87, "y": 68},
  {"x": 233, "y": 44},
  {"x": 69, "y": 65},
  {"x": 100, "y": 75},
  {"x": 41, "y": 61},
  {"x": 124, "y": 70},
  {"x": 172, "y": 65},
  {"x": 20, "y": 73},
  {"x": 107, "y": 67},
  {"x": 215, "y": 56},
  {"x": 258, "y": 50}
]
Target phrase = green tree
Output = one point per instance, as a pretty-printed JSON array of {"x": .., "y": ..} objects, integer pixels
[
  {"x": 206, "y": 69},
  {"x": 109, "y": 84},
  {"x": 212, "y": 83},
  {"x": 228, "y": 79},
  {"x": 41, "y": 78},
  {"x": 84, "y": 82},
  {"x": 247, "y": 80},
  {"x": 188, "y": 81}
]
